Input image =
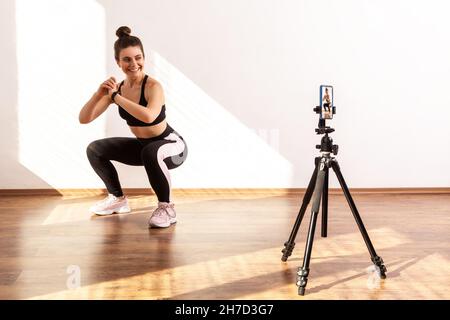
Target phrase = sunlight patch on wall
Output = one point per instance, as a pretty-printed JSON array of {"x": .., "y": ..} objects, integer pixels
[
  {"x": 61, "y": 62},
  {"x": 223, "y": 152}
]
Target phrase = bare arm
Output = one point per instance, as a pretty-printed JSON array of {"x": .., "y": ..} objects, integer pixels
[
  {"x": 98, "y": 103},
  {"x": 94, "y": 108},
  {"x": 154, "y": 104}
]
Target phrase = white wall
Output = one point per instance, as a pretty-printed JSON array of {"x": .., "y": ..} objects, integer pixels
[{"x": 241, "y": 79}]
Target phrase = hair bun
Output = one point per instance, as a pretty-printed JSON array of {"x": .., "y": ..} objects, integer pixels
[{"x": 123, "y": 31}]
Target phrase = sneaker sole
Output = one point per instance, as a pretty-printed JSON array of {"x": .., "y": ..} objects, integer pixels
[
  {"x": 166, "y": 225},
  {"x": 109, "y": 212}
]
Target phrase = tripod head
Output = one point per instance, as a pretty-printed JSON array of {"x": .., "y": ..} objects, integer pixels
[
  {"x": 326, "y": 144},
  {"x": 322, "y": 128}
]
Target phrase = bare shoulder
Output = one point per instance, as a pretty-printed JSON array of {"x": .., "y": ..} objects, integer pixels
[
  {"x": 153, "y": 85},
  {"x": 153, "y": 89}
]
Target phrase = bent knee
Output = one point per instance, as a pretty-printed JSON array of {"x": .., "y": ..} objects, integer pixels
[{"x": 94, "y": 149}]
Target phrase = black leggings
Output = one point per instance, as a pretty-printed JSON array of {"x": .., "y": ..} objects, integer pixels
[{"x": 157, "y": 155}]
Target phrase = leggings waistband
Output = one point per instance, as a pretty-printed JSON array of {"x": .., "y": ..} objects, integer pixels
[{"x": 166, "y": 132}]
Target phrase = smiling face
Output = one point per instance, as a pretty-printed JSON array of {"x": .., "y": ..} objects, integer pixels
[{"x": 131, "y": 61}]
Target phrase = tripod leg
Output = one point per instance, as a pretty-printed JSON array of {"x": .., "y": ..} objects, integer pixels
[
  {"x": 303, "y": 272},
  {"x": 325, "y": 204},
  {"x": 289, "y": 245},
  {"x": 375, "y": 258}
]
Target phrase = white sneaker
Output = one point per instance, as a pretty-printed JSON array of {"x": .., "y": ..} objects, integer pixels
[
  {"x": 163, "y": 216},
  {"x": 111, "y": 204}
]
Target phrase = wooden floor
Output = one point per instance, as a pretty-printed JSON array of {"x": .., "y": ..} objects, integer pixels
[{"x": 223, "y": 247}]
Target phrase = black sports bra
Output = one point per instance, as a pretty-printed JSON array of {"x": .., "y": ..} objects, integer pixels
[{"x": 132, "y": 121}]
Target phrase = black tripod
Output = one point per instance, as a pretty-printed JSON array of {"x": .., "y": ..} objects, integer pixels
[{"x": 317, "y": 190}]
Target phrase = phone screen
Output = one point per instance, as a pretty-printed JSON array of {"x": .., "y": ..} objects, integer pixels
[{"x": 326, "y": 102}]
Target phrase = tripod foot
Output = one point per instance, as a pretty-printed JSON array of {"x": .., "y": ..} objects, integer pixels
[
  {"x": 377, "y": 261},
  {"x": 301, "y": 291},
  {"x": 287, "y": 251},
  {"x": 302, "y": 280}
]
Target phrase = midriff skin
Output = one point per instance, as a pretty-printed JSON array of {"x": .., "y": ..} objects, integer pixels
[{"x": 149, "y": 132}]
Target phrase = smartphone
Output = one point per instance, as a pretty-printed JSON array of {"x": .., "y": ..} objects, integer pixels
[{"x": 326, "y": 102}]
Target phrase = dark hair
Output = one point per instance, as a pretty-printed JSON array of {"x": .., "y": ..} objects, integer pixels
[{"x": 126, "y": 40}]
